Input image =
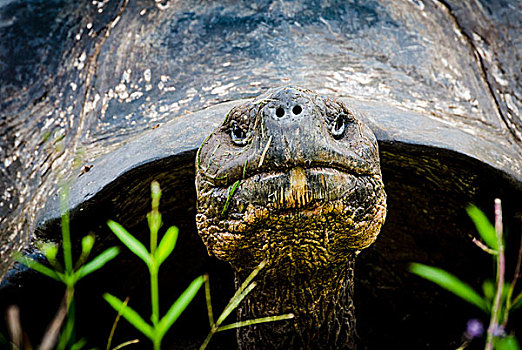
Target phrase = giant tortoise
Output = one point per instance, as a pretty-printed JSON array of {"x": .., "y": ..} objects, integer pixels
[{"x": 115, "y": 94}]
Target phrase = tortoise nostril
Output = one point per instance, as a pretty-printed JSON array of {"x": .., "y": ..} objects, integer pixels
[
  {"x": 280, "y": 112},
  {"x": 297, "y": 109}
]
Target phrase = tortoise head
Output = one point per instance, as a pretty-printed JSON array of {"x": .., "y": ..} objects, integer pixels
[{"x": 292, "y": 178}]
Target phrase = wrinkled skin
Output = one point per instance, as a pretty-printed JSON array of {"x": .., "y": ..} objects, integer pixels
[{"x": 294, "y": 179}]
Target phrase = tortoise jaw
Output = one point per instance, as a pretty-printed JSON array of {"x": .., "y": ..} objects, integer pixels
[
  {"x": 254, "y": 168},
  {"x": 296, "y": 188},
  {"x": 337, "y": 211}
]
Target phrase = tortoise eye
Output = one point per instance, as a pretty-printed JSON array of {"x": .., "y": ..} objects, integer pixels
[
  {"x": 238, "y": 135},
  {"x": 338, "y": 126}
]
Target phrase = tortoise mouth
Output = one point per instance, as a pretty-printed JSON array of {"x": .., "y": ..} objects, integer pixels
[
  {"x": 298, "y": 187},
  {"x": 283, "y": 210},
  {"x": 223, "y": 178}
]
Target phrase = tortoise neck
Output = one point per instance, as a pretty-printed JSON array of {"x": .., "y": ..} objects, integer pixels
[{"x": 321, "y": 302}]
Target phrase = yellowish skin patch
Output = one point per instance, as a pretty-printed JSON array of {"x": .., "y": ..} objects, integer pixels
[{"x": 295, "y": 195}]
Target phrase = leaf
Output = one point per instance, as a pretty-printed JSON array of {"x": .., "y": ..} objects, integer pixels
[
  {"x": 35, "y": 265},
  {"x": 50, "y": 250},
  {"x": 507, "y": 343},
  {"x": 179, "y": 306},
  {"x": 488, "y": 288},
  {"x": 87, "y": 243},
  {"x": 484, "y": 227},
  {"x": 97, "y": 262},
  {"x": 79, "y": 344},
  {"x": 130, "y": 315},
  {"x": 255, "y": 321},
  {"x": 450, "y": 282},
  {"x": 130, "y": 241},
  {"x": 167, "y": 244},
  {"x": 517, "y": 302}
]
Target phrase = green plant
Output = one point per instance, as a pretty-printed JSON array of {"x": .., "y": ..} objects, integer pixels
[
  {"x": 498, "y": 300},
  {"x": 68, "y": 274},
  {"x": 153, "y": 259},
  {"x": 245, "y": 288}
]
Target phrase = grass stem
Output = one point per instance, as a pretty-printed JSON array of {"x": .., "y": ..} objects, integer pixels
[
  {"x": 154, "y": 296},
  {"x": 516, "y": 276},
  {"x": 66, "y": 234},
  {"x": 116, "y": 320},
  {"x": 500, "y": 259},
  {"x": 209, "y": 301}
]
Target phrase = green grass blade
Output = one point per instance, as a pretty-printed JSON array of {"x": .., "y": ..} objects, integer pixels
[
  {"x": 79, "y": 344},
  {"x": 209, "y": 301},
  {"x": 484, "y": 227},
  {"x": 130, "y": 241},
  {"x": 450, "y": 282},
  {"x": 179, "y": 306},
  {"x": 229, "y": 197},
  {"x": 255, "y": 321},
  {"x": 97, "y": 262},
  {"x": 115, "y": 324},
  {"x": 127, "y": 343},
  {"x": 44, "y": 270},
  {"x": 517, "y": 302},
  {"x": 250, "y": 277},
  {"x": 240, "y": 293},
  {"x": 167, "y": 244},
  {"x": 207, "y": 340},
  {"x": 234, "y": 302},
  {"x": 130, "y": 315}
]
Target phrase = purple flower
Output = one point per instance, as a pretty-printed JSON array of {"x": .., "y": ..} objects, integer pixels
[
  {"x": 499, "y": 331},
  {"x": 474, "y": 328}
]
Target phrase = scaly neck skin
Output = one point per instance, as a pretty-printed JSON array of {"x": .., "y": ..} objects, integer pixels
[{"x": 322, "y": 304}]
